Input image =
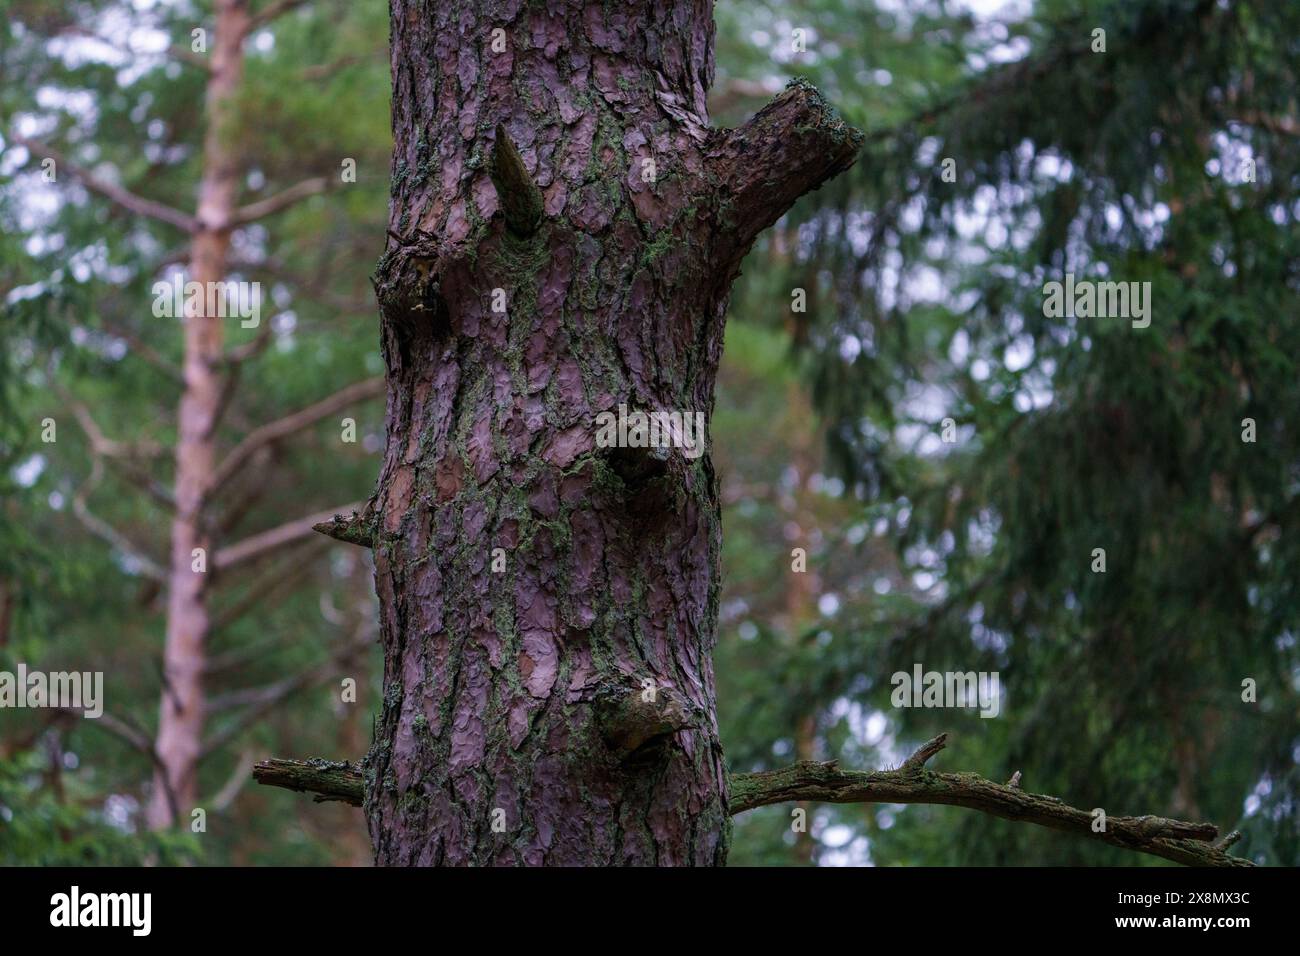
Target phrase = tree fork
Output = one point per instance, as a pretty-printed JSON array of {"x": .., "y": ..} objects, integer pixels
[{"x": 1191, "y": 844}]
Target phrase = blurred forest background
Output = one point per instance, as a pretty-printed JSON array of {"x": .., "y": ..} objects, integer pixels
[{"x": 1173, "y": 158}]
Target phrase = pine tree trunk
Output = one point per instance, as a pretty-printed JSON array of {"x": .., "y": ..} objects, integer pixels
[
  {"x": 180, "y": 720},
  {"x": 554, "y": 704}
]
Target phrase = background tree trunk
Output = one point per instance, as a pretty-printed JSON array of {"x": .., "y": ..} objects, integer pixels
[
  {"x": 518, "y": 722},
  {"x": 180, "y": 717}
]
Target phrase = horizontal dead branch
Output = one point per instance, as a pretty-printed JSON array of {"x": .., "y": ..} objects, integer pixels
[
  {"x": 327, "y": 779},
  {"x": 1188, "y": 843},
  {"x": 273, "y": 539}
]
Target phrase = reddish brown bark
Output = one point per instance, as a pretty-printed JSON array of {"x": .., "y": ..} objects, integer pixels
[
  {"x": 515, "y": 698},
  {"x": 180, "y": 718}
]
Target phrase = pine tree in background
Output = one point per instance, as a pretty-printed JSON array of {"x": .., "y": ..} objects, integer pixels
[
  {"x": 894, "y": 402},
  {"x": 195, "y": 420}
]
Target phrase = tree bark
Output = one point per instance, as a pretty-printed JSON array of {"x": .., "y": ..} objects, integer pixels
[
  {"x": 180, "y": 719},
  {"x": 566, "y": 161}
]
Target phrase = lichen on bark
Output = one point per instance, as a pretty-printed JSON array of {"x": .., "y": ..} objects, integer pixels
[{"x": 569, "y": 173}]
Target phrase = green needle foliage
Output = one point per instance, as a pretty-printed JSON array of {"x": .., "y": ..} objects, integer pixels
[{"x": 1171, "y": 158}]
